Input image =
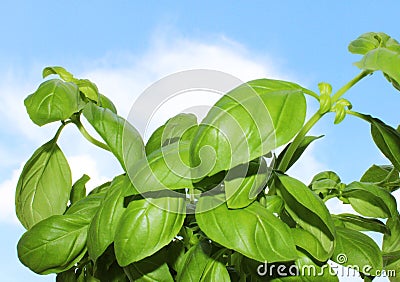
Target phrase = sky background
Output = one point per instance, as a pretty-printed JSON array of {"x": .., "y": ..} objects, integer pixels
[{"x": 125, "y": 46}]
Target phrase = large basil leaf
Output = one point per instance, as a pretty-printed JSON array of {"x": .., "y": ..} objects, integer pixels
[
  {"x": 153, "y": 268},
  {"x": 381, "y": 52},
  {"x": 178, "y": 128},
  {"x": 104, "y": 224},
  {"x": 166, "y": 168},
  {"x": 385, "y": 176},
  {"x": 307, "y": 140},
  {"x": 53, "y": 100},
  {"x": 44, "y": 186},
  {"x": 244, "y": 182},
  {"x": 370, "y": 200},
  {"x": 122, "y": 138},
  {"x": 252, "y": 231},
  {"x": 246, "y": 123},
  {"x": 360, "y": 223},
  {"x": 356, "y": 248},
  {"x": 146, "y": 226},
  {"x": 54, "y": 244},
  {"x": 308, "y": 210}
]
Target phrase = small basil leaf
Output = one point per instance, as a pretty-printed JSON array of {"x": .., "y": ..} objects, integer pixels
[
  {"x": 274, "y": 204},
  {"x": 307, "y": 210},
  {"x": 391, "y": 245},
  {"x": 243, "y": 229},
  {"x": 44, "y": 186},
  {"x": 356, "y": 248},
  {"x": 122, "y": 138},
  {"x": 382, "y": 175},
  {"x": 166, "y": 168},
  {"x": 178, "y": 128},
  {"x": 152, "y": 223},
  {"x": 104, "y": 224},
  {"x": 63, "y": 73},
  {"x": 54, "y": 244},
  {"x": 106, "y": 103},
  {"x": 226, "y": 137},
  {"x": 54, "y": 100},
  {"x": 307, "y": 140},
  {"x": 242, "y": 187},
  {"x": 370, "y": 200},
  {"x": 87, "y": 207},
  {"x": 153, "y": 268},
  {"x": 309, "y": 243},
  {"x": 79, "y": 189},
  {"x": 381, "y": 52},
  {"x": 360, "y": 223},
  {"x": 194, "y": 263}
]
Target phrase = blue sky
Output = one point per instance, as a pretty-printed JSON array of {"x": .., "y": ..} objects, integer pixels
[{"x": 124, "y": 46}]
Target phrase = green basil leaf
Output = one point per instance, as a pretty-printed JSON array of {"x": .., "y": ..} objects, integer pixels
[
  {"x": 153, "y": 223},
  {"x": 309, "y": 243},
  {"x": 379, "y": 173},
  {"x": 391, "y": 245},
  {"x": 87, "y": 207},
  {"x": 166, "y": 168},
  {"x": 243, "y": 229},
  {"x": 44, "y": 186},
  {"x": 241, "y": 190},
  {"x": 175, "y": 254},
  {"x": 106, "y": 103},
  {"x": 247, "y": 123},
  {"x": 387, "y": 139},
  {"x": 54, "y": 244},
  {"x": 274, "y": 204},
  {"x": 381, "y": 52},
  {"x": 62, "y": 72},
  {"x": 307, "y": 209},
  {"x": 356, "y": 248},
  {"x": 122, "y": 138},
  {"x": 307, "y": 140},
  {"x": 66, "y": 276},
  {"x": 104, "y": 224},
  {"x": 153, "y": 268},
  {"x": 370, "y": 200},
  {"x": 178, "y": 128},
  {"x": 54, "y": 100},
  {"x": 79, "y": 189},
  {"x": 194, "y": 263},
  {"x": 106, "y": 268},
  {"x": 103, "y": 188},
  {"x": 324, "y": 183},
  {"x": 88, "y": 88},
  {"x": 360, "y": 223},
  {"x": 215, "y": 269}
]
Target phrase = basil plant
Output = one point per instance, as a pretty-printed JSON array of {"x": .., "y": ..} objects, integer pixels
[{"x": 210, "y": 200}]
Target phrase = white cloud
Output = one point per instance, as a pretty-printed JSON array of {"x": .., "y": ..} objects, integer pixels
[{"x": 7, "y": 196}]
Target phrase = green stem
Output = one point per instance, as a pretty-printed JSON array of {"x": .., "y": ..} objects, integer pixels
[
  {"x": 57, "y": 135},
  {"x": 359, "y": 115},
  {"x": 311, "y": 93},
  {"x": 297, "y": 141},
  {"x": 350, "y": 84},
  {"x": 86, "y": 134},
  {"x": 314, "y": 119}
]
